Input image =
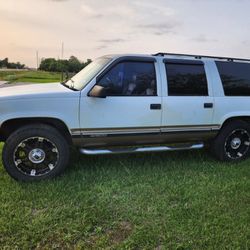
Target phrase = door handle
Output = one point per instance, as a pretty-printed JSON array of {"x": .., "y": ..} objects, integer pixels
[
  {"x": 208, "y": 105},
  {"x": 155, "y": 106}
]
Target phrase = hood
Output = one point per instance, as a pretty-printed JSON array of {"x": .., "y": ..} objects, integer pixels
[{"x": 48, "y": 90}]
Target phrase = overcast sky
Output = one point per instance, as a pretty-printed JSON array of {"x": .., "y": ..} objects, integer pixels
[{"x": 96, "y": 27}]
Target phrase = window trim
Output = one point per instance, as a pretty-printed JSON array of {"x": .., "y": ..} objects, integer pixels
[
  {"x": 183, "y": 61},
  {"x": 129, "y": 59},
  {"x": 122, "y": 59},
  {"x": 189, "y": 63}
]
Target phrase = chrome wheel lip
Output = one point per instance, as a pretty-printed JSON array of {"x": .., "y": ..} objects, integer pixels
[
  {"x": 238, "y": 145},
  {"x": 33, "y": 170}
]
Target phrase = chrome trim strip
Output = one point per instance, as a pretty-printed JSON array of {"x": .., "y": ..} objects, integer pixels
[
  {"x": 121, "y": 131},
  {"x": 118, "y": 131},
  {"x": 189, "y": 128},
  {"x": 75, "y": 131},
  {"x": 139, "y": 149}
]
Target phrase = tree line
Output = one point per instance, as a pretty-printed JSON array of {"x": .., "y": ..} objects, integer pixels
[
  {"x": 10, "y": 65},
  {"x": 73, "y": 64}
]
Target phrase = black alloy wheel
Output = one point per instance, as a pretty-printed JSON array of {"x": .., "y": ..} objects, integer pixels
[
  {"x": 35, "y": 152},
  {"x": 233, "y": 141}
]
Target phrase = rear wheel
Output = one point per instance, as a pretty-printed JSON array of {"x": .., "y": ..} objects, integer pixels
[
  {"x": 233, "y": 142},
  {"x": 35, "y": 152}
]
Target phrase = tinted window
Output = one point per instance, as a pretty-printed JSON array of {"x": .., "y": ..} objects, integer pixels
[
  {"x": 186, "y": 79},
  {"x": 235, "y": 78},
  {"x": 130, "y": 79}
]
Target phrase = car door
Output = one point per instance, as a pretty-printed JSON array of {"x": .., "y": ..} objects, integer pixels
[
  {"x": 187, "y": 96},
  {"x": 132, "y": 105}
]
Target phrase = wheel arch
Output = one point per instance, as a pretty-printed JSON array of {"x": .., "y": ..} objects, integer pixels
[
  {"x": 245, "y": 118},
  {"x": 10, "y": 125}
]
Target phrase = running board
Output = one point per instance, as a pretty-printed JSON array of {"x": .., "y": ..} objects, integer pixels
[{"x": 139, "y": 149}]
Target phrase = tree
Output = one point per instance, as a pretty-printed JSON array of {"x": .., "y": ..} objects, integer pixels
[
  {"x": 48, "y": 64},
  {"x": 73, "y": 65},
  {"x": 86, "y": 63},
  {"x": 6, "y": 64}
]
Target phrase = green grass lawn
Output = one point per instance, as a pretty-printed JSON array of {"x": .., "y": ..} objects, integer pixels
[
  {"x": 30, "y": 76},
  {"x": 176, "y": 200}
]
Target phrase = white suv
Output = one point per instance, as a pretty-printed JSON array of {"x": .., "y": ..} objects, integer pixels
[{"x": 125, "y": 104}]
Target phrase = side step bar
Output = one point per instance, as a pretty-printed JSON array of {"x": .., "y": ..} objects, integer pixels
[{"x": 139, "y": 149}]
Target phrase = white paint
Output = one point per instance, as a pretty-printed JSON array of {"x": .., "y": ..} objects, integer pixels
[{"x": 77, "y": 110}]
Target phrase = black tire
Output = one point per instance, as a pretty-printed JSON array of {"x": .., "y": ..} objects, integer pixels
[
  {"x": 35, "y": 152},
  {"x": 233, "y": 142}
]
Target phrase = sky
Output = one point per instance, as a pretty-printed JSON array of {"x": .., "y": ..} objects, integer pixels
[{"x": 89, "y": 29}]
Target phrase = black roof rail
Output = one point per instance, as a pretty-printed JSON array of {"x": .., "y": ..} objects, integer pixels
[{"x": 202, "y": 56}]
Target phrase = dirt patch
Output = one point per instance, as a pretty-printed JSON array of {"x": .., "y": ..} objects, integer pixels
[{"x": 120, "y": 233}]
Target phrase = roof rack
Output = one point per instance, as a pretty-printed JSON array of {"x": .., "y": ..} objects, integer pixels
[{"x": 202, "y": 56}]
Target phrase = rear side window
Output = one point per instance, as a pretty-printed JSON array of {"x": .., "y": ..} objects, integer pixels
[
  {"x": 235, "y": 78},
  {"x": 186, "y": 79}
]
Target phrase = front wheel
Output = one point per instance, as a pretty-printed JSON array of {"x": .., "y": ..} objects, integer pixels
[
  {"x": 233, "y": 142},
  {"x": 35, "y": 152}
]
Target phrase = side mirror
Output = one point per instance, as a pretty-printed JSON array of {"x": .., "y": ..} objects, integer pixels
[{"x": 98, "y": 91}]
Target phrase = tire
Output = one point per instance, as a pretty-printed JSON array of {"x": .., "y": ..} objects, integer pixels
[
  {"x": 35, "y": 152},
  {"x": 233, "y": 142}
]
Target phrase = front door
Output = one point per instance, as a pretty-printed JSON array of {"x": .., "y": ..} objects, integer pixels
[{"x": 132, "y": 105}]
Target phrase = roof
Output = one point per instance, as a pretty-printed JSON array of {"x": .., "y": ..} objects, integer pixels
[
  {"x": 190, "y": 56},
  {"x": 180, "y": 56}
]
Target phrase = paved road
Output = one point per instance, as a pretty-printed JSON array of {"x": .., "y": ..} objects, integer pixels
[
  {"x": 2, "y": 82},
  {"x": 5, "y": 84}
]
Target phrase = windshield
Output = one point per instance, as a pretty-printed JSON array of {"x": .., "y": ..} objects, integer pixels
[{"x": 79, "y": 80}]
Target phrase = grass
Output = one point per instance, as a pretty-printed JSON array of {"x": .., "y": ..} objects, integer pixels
[
  {"x": 30, "y": 76},
  {"x": 177, "y": 200}
]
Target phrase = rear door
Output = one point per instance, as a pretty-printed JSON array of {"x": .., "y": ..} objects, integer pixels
[{"x": 187, "y": 96}]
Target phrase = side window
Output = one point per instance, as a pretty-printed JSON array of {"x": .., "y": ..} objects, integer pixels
[
  {"x": 130, "y": 79},
  {"x": 235, "y": 78},
  {"x": 186, "y": 79}
]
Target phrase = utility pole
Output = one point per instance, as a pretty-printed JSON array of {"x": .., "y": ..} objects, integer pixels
[
  {"x": 62, "y": 50},
  {"x": 62, "y": 59},
  {"x": 37, "y": 61}
]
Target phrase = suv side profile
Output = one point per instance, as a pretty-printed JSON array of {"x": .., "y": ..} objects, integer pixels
[{"x": 127, "y": 104}]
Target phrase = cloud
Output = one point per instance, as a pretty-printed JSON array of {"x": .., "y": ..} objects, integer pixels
[
  {"x": 246, "y": 42},
  {"x": 105, "y": 43},
  {"x": 155, "y": 8},
  {"x": 108, "y": 9},
  {"x": 132, "y": 16},
  {"x": 160, "y": 28},
  {"x": 116, "y": 40},
  {"x": 101, "y": 47},
  {"x": 87, "y": 10},
  {"x": 58, "y": 0},
  {"x": 89, "y": 28},
  {"x": 19, "y": 18},
  {"x": 203, "y": 39}
]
